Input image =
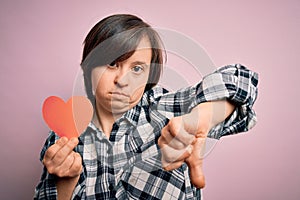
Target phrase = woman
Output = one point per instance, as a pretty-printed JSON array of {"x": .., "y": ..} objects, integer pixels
[{"x": 143, "y": 142}]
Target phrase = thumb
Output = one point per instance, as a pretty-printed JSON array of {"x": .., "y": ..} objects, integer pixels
[{"x": 195, "y": 162}]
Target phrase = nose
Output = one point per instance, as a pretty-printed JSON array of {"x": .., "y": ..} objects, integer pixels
[{"x": 122, "y": 77}]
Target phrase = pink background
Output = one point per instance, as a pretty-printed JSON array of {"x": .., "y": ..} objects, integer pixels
[{"x": 40, "y": 51}]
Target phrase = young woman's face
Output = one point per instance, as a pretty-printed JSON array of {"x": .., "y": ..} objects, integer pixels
[{"x": 120, "y": 87}]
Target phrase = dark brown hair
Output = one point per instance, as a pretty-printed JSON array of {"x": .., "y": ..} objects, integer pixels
[{"x": 114, "y": 39}]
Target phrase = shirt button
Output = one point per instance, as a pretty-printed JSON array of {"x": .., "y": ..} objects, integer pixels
[{"x": 111, "y": 187}]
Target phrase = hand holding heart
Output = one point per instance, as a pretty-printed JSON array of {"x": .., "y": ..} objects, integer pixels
[
  {"x": 61, "y": 160},
  {"x": 68, "y": 120}
]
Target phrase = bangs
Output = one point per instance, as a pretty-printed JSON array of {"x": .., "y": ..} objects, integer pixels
[{"x": 116, "y": 48}]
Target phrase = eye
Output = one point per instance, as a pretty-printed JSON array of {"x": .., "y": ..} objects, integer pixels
[
  {"x": 112, "y": 65},
  {"x": 137, "y": 69}
]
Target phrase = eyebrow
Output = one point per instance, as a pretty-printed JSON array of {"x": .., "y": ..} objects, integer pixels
[{"x": 140, "y": 63}]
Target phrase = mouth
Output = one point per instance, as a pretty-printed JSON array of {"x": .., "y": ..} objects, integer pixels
[{"x": 120, "y": 94}]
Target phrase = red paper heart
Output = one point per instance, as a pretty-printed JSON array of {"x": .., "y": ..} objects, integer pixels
[{"x": 67, "y": 119}]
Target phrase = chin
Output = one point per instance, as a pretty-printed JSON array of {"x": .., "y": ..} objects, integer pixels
[{"x": 119, "y": 109}]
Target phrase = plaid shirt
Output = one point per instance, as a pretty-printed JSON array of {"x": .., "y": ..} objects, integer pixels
[{"x": 127, "y": 165}]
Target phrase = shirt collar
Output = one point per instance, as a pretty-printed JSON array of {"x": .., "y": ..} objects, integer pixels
[{"x": 132, "y": 115}]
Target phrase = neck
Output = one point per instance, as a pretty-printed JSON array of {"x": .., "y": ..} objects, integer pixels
[{"x": 104, "y": 120}]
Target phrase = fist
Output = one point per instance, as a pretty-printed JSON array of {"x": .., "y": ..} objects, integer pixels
[
  {"x": 61, "y": 160},
  {"x": 183, "y": 140},
  {"x": 176, "y": 144}
]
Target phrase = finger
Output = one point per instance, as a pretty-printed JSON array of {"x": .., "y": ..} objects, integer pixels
[
  {"x": 171, "y": 155},
  {"x": 177, "y": 130},
  {"x": 63, "y": 169},
  {"x": 195, "y": 162},
  {"x": 76, "y": 167},
  {"x": 167, "y": 138},
  {"x": 171, "y": 166},
  {"x": 62, "y": 141},
  {"x": 53, "y": 149},
  {"x": 197, "y": 178},
  {"x": 196, "y": 173},
  {"x": 62, "y": 154}
]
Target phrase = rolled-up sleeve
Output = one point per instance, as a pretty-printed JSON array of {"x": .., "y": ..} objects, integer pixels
[
  {"x": 234, "y": 83},
  {"x": 46, "y": 188},
  {"x": 238, "y": 85}
]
